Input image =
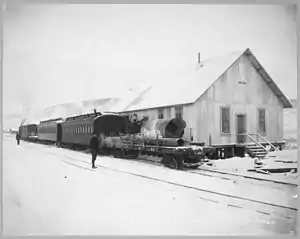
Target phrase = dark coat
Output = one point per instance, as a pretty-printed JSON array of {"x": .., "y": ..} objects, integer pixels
[
  {"x": 94, "y": 142},
  {"x": 17, "y": 136}
]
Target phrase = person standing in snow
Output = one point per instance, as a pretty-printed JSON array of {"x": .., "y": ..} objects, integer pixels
[
  {"x": 18, "y": 138},
  {"x": 94, "y": 142}
]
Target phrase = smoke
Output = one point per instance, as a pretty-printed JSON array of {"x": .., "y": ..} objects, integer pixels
[
  {"x": 23, "y": 121},
  {"x": 110, "y": 142},
  {"x": 149, "y": 129}
]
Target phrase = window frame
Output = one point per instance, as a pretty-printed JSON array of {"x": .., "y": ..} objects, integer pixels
[
  {"x": 222, "y": 121},
  {"x": 160, "y": 112},
  {"x": 264, "y": 121},
  {"x": 179, "y": 109}
]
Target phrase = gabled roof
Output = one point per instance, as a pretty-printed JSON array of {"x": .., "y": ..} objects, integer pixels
[
  {"x": 270, "y": 82},
  {"x": 187, "y": 86}
]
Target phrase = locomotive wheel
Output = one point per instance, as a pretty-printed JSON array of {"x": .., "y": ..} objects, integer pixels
[
  {"x": 173, "y": 163},
  {"x": 170, "y": 162},
  {"x": 179, "y": 160},
  {"x": 117, "y": 153}
]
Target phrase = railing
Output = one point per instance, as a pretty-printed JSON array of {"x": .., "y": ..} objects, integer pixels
[
  {"x": 258, "y": 135},
  {"x": 255, "y": 141},
  {"x": 258, "y": 143},
  {"x": 272, "y": 146}
]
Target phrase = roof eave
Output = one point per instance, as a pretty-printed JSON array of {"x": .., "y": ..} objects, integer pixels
[
  {"x": 156, "y": 107},
  {"x": 264, "y": 74},
  {"x": 287, "y": 104}
]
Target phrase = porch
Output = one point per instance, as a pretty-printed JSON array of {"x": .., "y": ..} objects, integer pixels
[{"x": 254, "y": 144}]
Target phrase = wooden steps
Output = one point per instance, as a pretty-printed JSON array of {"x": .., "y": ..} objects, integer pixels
[
  {"x": 256, "y": 147},
  {"x": 256, "y": 151}
]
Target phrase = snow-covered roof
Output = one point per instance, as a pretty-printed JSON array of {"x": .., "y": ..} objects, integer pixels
[{"x": 187, "y": 86}]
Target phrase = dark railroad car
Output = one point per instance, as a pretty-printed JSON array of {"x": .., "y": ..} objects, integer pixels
[
  {"x": 77, "y": 130},
  {"x": 110, "y": 124},
  {"x": 29, "y": 132},
  {"x": 50, "y": 130}
]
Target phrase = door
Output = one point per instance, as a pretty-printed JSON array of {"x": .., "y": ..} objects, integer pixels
[
  {"x": 241, "y": 128},
  {"x": 59, "y": 133}
]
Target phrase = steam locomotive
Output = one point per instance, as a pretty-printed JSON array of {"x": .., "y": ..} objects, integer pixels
[{"x": 120, "y": 136}]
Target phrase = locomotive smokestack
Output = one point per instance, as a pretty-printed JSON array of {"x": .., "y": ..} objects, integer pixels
[{"x": 95, "y": 111}]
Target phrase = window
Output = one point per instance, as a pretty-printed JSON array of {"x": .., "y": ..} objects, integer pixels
[
  {"x": 178, "y": 112},
  {"x": 262, "y": 121},
  {"x": 225, "y": 120},
  {"x": 160, "y": 113}
]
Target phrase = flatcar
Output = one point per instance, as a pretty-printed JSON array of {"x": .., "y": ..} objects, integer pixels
[
  {"x": 171, "y": 151},
  {"x": 29, "y": 132},
  {"x": 50, "y": 131}
]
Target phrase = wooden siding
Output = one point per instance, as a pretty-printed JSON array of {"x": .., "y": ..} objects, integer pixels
[
  {"x": 169, "y": 113},
  {"x": 243, "y": 90}
]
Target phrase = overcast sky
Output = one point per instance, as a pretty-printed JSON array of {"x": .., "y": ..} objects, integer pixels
[{"x": 66, "y": 53}]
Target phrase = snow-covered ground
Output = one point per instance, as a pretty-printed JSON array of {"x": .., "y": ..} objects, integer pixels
[
  {"x": 279, "y": 159},
  {"x": 49, "y": 191}
]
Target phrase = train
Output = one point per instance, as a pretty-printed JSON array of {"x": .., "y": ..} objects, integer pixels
[
  {"x": 121, "y": 137},
  {"x": 29, "y": 132}
]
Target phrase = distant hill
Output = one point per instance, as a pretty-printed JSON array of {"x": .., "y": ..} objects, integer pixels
[
  {"x": 70, "y": 109},
  {"x": 77, "y": 108}
]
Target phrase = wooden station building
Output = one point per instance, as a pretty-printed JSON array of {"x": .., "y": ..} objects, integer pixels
[{"x": 228, "y": 102}]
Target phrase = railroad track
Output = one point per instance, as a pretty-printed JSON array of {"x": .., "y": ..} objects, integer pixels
[
  {"x": 259, "y": 206},
  {"x": 222, "y": 175},
  {"x": 234, "y": 177},
  {"x": 246, "y": 178},
  {"x": 238, "y": 201},
  {"x": 271, "y": 207}
]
